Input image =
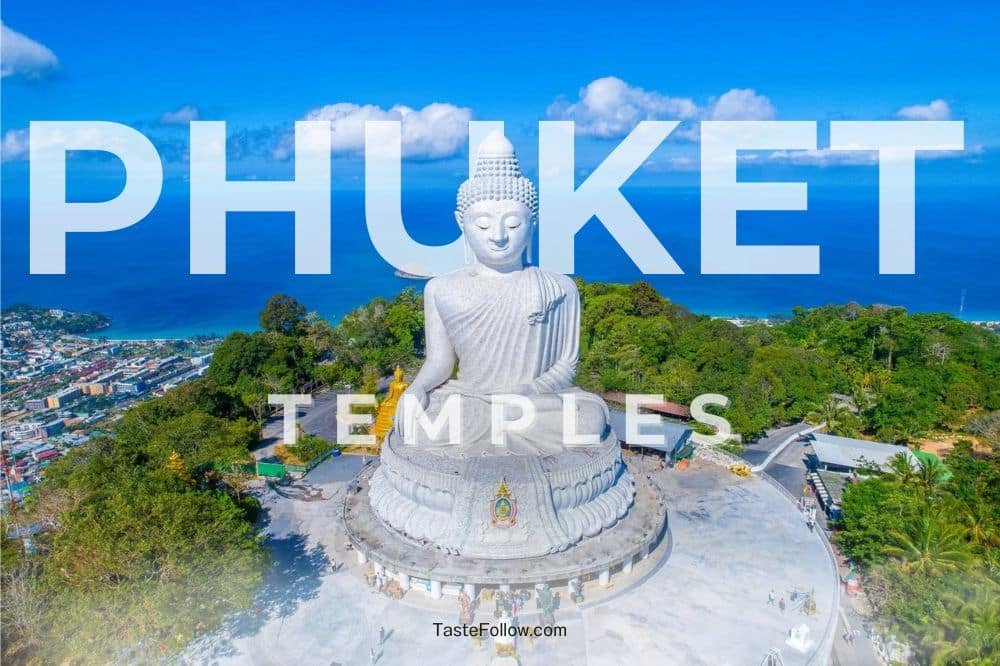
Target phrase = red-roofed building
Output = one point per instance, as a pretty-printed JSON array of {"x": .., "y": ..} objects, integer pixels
[
  {"x": 45, "y": 453},
  {"x": 671, "y": 410}
]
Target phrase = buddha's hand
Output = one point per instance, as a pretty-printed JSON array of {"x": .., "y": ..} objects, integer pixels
[
  {"x": 524, "y": 389},
  {"x": 411, "y": 396}
]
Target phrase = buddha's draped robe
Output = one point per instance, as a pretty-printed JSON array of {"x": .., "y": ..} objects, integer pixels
[{"x": 519, "y": 329}]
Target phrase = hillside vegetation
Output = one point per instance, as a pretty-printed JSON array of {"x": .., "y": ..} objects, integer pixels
[{"x": 146, "y": 537}]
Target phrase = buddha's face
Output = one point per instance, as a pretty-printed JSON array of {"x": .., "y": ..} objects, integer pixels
[{"x": 497, "y": 231}]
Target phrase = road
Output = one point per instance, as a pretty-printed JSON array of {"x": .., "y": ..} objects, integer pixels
[
  {"x": 757, "y": 451},
  {"x": 788, "y": 468},
  {"x": 318, "y": 419}
]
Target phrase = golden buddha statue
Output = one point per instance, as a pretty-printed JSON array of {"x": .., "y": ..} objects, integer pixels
[{"x": 387, "y": 407}]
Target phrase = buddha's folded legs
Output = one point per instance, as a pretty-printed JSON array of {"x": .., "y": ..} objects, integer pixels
[{"x": 493, "y": 422}]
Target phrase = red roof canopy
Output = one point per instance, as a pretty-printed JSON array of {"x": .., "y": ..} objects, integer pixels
[{"x": 672, "y": 410}]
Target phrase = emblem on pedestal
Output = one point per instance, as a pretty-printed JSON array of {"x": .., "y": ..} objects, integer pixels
[{"x": 503, "y": 507}]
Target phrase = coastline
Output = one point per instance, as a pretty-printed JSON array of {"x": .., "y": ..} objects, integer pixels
[{"x": 119, "y": 334}]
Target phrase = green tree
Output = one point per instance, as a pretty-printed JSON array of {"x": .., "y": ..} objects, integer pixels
[
  {"x": 204, "y": 442},
  {"x": 870, "y": 510},
  {"x": 930, "y": 475},
  {"x": 980, "y": 519},
  {"x": 117, "y": 572},
  {"x": 252, "y": 392},
  {"x": 838, "y": 418},
  {"x": 283, "y": 314},
  {"x": 900, "y": 469},
  {"x": 239, "y": 354},
  {"x": 968, "y": 630},
  {"x": 903, "y": 414},
  {"x": 930, "y": 545},
  {"x": 134, "y": 548}
]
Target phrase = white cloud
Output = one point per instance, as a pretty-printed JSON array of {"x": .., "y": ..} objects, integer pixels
[
  {"x": 822, "y": 157},
  {"x": 741, "y": 104},
  {"x": 22, "y": 56},
  {"x": 825, "y": 157},
  {"x": 436, "y": 131},
  {"x": 683, "y": 163},
  {"x": 15, "y": 145},
  {"x": 609, "y": 108},
  {"x": 181, "y": 116},
  {"x": 936, "y": 110}
]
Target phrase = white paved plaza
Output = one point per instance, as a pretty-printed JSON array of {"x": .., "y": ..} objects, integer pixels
[{"x": 732, "y": 540}]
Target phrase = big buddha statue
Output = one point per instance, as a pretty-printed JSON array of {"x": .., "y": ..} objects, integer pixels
[{"x": 511, "y": 329}]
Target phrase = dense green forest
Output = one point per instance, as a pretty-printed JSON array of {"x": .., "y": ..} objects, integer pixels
[
  {"x": 906, "y": 374},
  {"x": 928, "y": 540},
  {"x": 145, "y": 524},
  {"x": 147, "y": 539},
  {"x": 901, "y": 375}
]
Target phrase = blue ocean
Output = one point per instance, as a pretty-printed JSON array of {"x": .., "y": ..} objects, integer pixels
[{"x": 139, "y": 276}]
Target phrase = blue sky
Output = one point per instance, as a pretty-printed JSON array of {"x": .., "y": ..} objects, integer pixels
[{"x": 260, "y": 66}]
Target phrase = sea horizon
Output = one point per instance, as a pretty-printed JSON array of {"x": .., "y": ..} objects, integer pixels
[{"x": 139, "y": 276}]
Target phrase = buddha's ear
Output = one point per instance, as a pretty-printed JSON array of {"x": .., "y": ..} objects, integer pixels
[{"x": 458, "y": 218}]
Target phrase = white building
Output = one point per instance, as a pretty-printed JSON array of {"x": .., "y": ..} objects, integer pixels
[{"x": 844, "y": 454}]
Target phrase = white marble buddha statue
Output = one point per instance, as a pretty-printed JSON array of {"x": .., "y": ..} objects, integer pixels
[{"x": 511, "y": 328}]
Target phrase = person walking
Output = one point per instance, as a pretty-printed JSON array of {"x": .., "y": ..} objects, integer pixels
[
  {"x": 782, "y": 604},
  {"x": 771, "y": 598}
]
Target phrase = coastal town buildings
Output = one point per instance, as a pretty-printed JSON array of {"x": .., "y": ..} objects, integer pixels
[{"x": 60, "y": 388}]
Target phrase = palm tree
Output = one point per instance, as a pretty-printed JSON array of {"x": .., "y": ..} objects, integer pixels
[
  {"x": 930, "y": 474},
  {"x": 906, "y": 432},
  {"x": 837, "y": 416},
  {"x": 931, "y": 545},
  {"x": 968, "y": 631},
  {"x": 978, "y": 518},
  {"x": 900, "y": 469}
]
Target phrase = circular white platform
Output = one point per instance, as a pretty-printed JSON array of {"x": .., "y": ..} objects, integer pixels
[
  {"x": 615, "y": 548},
  {"x": 732, "y": 540}
]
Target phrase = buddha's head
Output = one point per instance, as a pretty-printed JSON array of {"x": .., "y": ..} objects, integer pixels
[{"x": 498, "y": 207}]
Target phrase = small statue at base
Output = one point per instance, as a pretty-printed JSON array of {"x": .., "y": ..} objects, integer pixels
[
  {"x": 504, "y": 643},
  {"x": 502, "y": 603},
  {"x": 464, "y": 608},
  {"x": 386, "y": 410},
  {"x": 546, "y": 603}
]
